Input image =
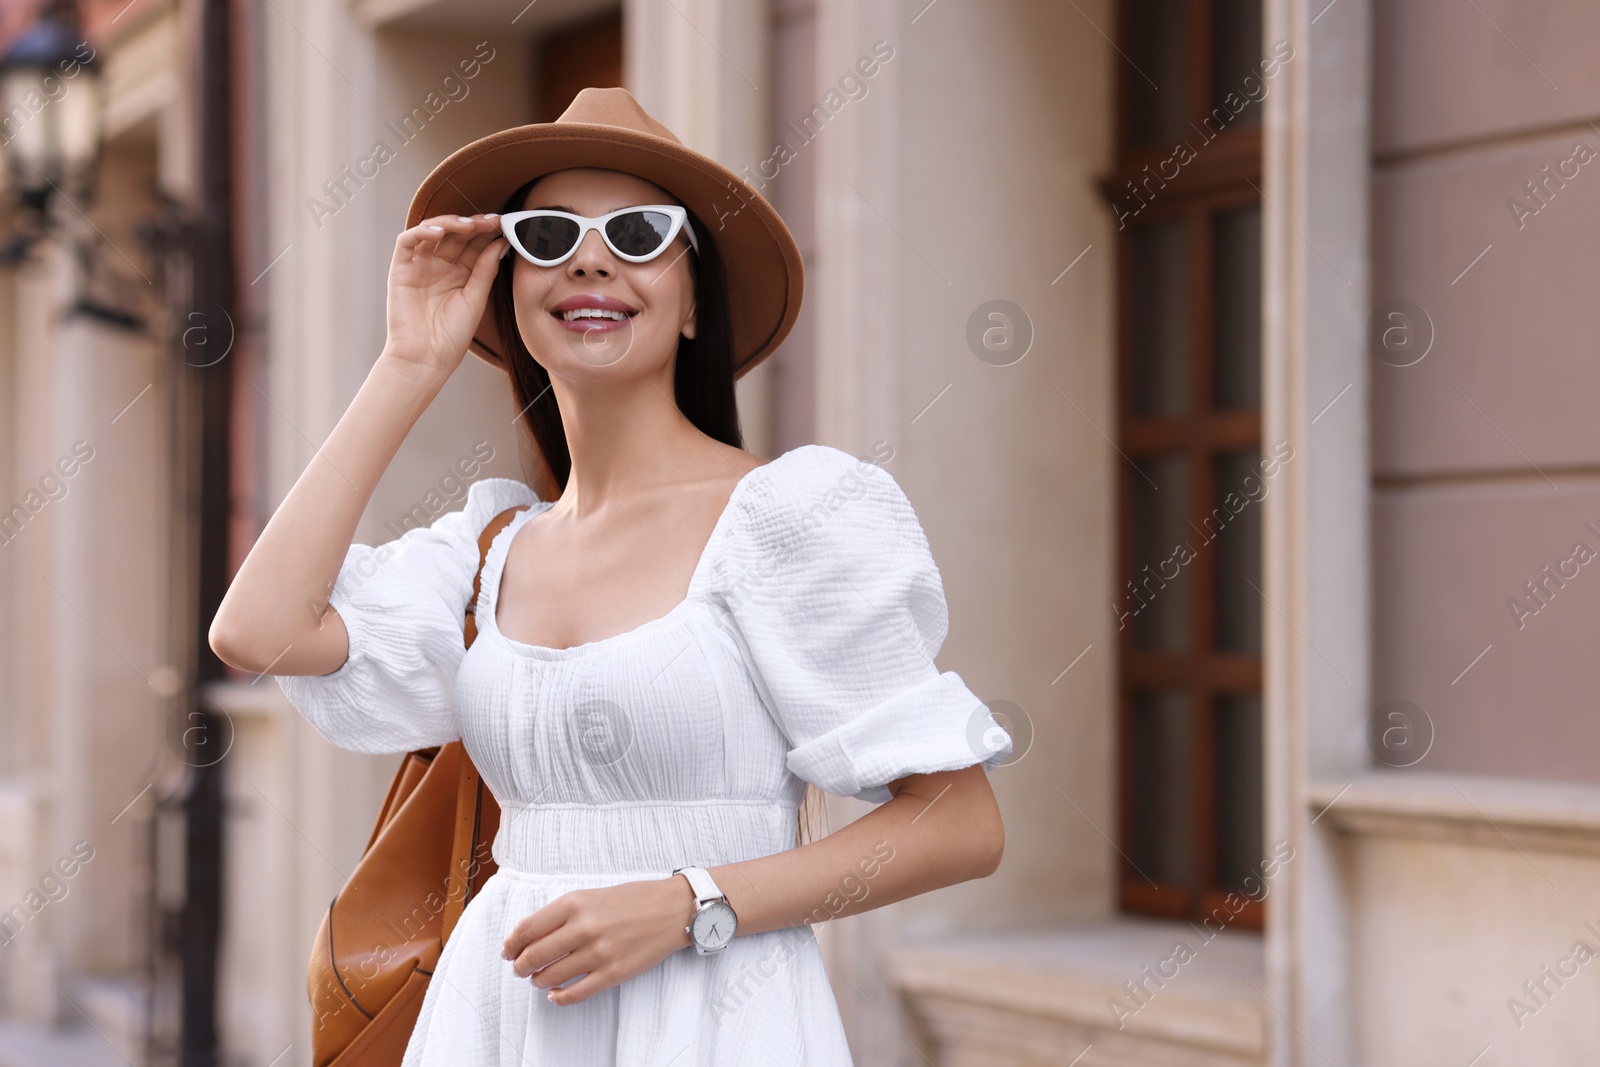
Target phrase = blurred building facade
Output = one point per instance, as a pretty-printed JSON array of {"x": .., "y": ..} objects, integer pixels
[{"x": 1316, "y": 790}]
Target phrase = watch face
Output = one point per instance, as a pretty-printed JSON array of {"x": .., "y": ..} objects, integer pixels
[{"x": 713, "y": 926}]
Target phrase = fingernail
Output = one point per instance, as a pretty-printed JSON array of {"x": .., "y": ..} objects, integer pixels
[
  {"x": 503, "y": 251},
  {"x": 462, "y": 218},
  {"x": 492, "y": 215},
  {"x": 551, "y": 996},
  {"x": 436, "y": 229}
]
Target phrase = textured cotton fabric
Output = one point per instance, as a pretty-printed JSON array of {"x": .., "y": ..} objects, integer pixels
[{"x": 803, "y": 652}]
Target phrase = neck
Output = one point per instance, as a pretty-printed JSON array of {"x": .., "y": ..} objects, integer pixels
[{"x": 622, "y": 435}]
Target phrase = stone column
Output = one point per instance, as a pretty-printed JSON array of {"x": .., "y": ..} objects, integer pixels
[{"x": 1317, "y": 560}]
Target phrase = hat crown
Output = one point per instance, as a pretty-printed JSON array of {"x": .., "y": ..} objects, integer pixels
[{"x": 614, "y": 107}]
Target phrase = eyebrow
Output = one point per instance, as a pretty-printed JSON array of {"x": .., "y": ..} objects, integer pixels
[{"x": 574, "y": 211}]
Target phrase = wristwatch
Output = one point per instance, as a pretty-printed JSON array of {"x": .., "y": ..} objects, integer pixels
[{"x": 714, "y": 920}]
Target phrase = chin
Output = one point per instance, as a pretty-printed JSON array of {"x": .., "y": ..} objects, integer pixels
[{"x": 609, "y": 355}]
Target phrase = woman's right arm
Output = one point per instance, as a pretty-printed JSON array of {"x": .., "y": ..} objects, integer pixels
[{"x": 275, "y": 616}]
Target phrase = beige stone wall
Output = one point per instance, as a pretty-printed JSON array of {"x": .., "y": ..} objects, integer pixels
[
  {"x": 1486, "y": 456},
  {"x": 1459, "y": 929},
  {"x": 1001, "y": 137},
  {"x": 1430, "y": 894},
  {"x": 1473, "y": 925},
  {"x": 1011, "y": 483}
]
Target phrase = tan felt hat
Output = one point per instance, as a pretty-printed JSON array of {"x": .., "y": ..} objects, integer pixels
[{"x": 607, "y": 128}]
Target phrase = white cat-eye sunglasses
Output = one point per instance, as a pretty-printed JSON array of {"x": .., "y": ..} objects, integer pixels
[{"x": 547, "y": 237}]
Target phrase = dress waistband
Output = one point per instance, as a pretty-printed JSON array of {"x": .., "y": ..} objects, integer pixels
[{"x": 562, "y": 839}]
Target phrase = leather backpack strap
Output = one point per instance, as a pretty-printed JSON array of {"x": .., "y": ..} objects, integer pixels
[
  {"x": 462, "y": 879},
  {"x": 464, "y": 863},
  {"x": 485, "y": 539}
]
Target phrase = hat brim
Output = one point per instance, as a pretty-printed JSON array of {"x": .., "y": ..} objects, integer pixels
[{"x": 761, "y": 261}]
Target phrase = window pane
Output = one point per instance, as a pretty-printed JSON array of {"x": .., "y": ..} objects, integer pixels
[
  {"x": 1159, "y": 599},
  {"x": 1161, "y": 321},
  {"x": 1163, "y": 794},
  {"x": 1237, "y": 305},
  {"x": 1159, "y": 36},
  {"x": 1233, "y": 528},
  {"x": 1235, "y": 64},
  {"x": 1239, "y": 786}
]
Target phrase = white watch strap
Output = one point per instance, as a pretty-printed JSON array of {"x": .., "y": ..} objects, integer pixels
[{"x": 701, "y": 882}]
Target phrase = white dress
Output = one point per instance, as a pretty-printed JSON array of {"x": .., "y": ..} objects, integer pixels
[{"x": 803, "y": 652}]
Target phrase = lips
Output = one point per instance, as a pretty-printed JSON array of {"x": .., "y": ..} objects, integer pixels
[{"x": 593, "y": 312}]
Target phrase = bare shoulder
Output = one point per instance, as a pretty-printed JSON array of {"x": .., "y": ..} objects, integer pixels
[
  {"x": 743, "y": 462},
  {"x": 726, "y": 466}
]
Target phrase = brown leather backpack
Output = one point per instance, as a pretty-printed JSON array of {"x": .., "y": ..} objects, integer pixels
[{"x": 429, "y": 853}]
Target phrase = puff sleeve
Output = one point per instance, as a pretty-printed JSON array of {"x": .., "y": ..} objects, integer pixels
[
  {"x": 403, "y": 604},
  {"x": 839, "y": 610}
]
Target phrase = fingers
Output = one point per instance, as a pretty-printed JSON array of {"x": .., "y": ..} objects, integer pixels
[
  {"x": 543, "y": 953},
  {"x": 458, "y": 237},
  {"x": 484, "y": 267},
  {"x": 473, "y": 248},
  {"x": 565, "y": 969},
  {"x": 593, "y": 982},
  {"x": 461, "y": 250},
  {"x": 541, "y": 923},
  {"x": 443, "y": 235},
  {"x": 425, "y": 233}
]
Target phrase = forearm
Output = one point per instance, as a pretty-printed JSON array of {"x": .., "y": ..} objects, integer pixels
[
  {"x": 938, "y": 830},
  {"x": 273, "y": 612}
]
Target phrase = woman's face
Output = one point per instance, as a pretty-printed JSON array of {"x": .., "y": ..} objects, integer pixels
[{"x": 657, "y": 297}]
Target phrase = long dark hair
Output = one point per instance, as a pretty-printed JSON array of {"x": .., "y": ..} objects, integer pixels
[
  {"x": 702, "y": 386},
  {"x": 702, "y": 377}
]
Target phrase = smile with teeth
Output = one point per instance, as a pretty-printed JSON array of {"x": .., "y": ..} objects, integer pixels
[{"x": 594, "y": 313}]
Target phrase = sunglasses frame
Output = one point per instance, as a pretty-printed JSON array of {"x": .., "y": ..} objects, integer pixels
[{"x": 679, "y": 217}]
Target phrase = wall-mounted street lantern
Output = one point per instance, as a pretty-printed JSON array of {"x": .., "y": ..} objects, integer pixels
[
  {"x": 51, "y": 94},
  {"x": 53, "y": 101}
]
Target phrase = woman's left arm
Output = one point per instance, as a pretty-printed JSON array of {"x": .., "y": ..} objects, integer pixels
[{"x": 938, "y": 829}]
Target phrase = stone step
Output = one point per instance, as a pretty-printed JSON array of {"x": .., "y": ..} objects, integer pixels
[{"x": 1045, "y": 996}]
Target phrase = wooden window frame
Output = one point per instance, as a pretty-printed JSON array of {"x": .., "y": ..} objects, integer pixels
[
  {"x": 1224, "y": 174},
  {"x": 574, "y": 56}
]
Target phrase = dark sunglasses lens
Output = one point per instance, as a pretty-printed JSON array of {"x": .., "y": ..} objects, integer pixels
[
  {"x": 639, "y": 233},
  {"x": 547, "y": 236}
]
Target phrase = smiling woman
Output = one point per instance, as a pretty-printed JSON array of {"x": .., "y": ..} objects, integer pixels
[
  {"x": 679, "y": 268},
  {"x": 680, "y": 640}
]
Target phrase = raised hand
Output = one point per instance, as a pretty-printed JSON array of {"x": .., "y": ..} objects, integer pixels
[
  {"x": 438, "y": 287},
  {"x": 439, "y": 283}
]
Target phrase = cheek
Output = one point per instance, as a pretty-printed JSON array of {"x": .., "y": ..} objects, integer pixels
[
  {"x": 529, "y": 287},
  {"x": 668, "y": 293},
  {"x": 530, "y": 283}
]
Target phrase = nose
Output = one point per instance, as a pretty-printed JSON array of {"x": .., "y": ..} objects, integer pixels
[{"x": 592, "y": 259}]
